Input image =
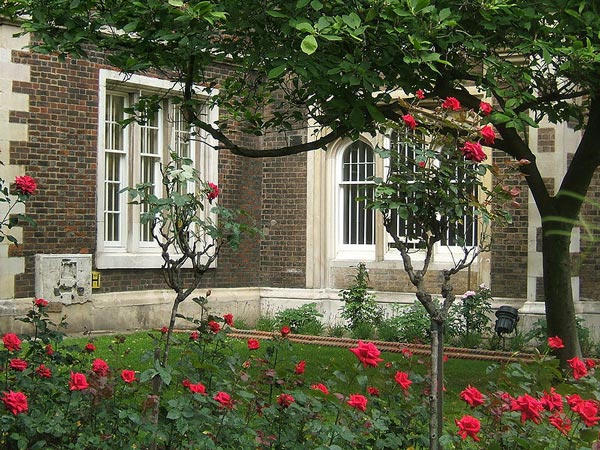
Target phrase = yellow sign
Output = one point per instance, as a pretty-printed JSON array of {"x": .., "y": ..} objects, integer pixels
[{"x": 95, "y": 280}]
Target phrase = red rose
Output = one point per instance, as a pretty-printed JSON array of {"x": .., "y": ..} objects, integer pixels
[
  {"x": 43, "y": 371},
  {"x": 90, "y": 348},
  {"x": 590, "y": 363},
  {"x": 11, "y": 342},
  {"x": 194, "y": 336},
  {"x": 49, "y": 350},
  {"x": 552, "y": 401},
  {"x": 285, "y": 400},
  {"x": 41, "y": 303},
  {"x": 25, "y": 185},
  {"x": 587, "y": 410},
  {"x": 213, "y": 191},
  {"x": 555, "y": 343},
  {"x": 562, "y": 423},
  {"x": 473, "y": 151},
  {"x": 100, "y": 367},
  {"x": 358, "y": 401},
  {"x": 128, "y": 376},
  {"x": 320, "y": 387},
  {"x": 17, "y": 364},
  {"x": 402, "y": 379},
  {"x": 78, "y": 382},
  {"x": 367, "y": 354},
  {"x": 195, "y": 388},
  {"x": 15, "y": 402},
  {"x": 472, "y": 396},
  {"x": 529, "y": 406},
  {"x": 373, "y": 391},
  {"x": 578, "y": 366},
  {"x": 299, "y": 369},
  {"x": 228, "y": 318},
  {"x": 488, "y": 134},
  {"x": 407, "y": 352},
  {"x": 164, "y": 330},
  {"x": 468, "y": 426},
  {"x": 451, "y": 103},
  {"x": 224, "y": 399},
  {"x": 253, "y": 344},
  {"x": 573, "y": 400},
  {"x": 420, "y": 94},
  {"x": 485, "y": 108},
  {"x": 215, "y": 327},
  {"x": 409, "y": 121},
  {"x": 284, "y": 331}
]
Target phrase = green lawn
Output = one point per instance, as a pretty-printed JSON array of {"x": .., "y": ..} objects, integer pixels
[{"x": 132, "y": 351}]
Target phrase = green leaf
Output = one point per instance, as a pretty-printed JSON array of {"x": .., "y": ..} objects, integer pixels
[
  {"x": 357, "y": 118},
  {"x": 277, "y": 71},
  {"x": 277, "y": 14},
  {"x": 176, "y": 3},
  {"x": 309, "y": 44}
]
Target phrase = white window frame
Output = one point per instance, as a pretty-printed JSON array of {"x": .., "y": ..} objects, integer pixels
[
  {"x": 130, "y": 251},
  {"x": 380, "y": 250},
  {"x": 441, "y": 253}
]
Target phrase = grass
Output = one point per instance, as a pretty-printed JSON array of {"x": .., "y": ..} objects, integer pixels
[{"x": 134, "y": 351}]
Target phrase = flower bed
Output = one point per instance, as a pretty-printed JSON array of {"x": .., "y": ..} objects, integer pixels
[{"x": 213, "y": 397}]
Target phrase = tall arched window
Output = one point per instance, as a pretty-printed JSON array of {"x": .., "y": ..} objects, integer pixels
[{"x": 358, "y": 222}]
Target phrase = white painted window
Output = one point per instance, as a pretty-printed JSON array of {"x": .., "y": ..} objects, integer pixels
[
  {"x": 359, "y": 235},
  {"x": 133, "y": 154}
]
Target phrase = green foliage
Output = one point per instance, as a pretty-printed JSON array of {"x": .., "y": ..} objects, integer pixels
[
  {"x": 360, "y": 309},
  {"x": 538, "y": 335},
  {"x": 470, "y": 318},
  {"x": 107, "y": 411},
  {"x": 303, "y": 319},
  {"x": 409, "y": 324}
]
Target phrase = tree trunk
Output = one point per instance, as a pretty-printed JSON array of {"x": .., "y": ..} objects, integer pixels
[
  {"x": 436, "y": 400},
  {"x": 558, "y": 293}
]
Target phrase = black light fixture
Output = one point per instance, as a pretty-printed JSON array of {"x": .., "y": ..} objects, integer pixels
[{"x": 507, "y": 318}]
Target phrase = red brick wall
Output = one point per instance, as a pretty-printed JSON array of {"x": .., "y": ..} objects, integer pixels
[
  {"x": 283, "y": 218},
  {"x": 509, "y": 247}
]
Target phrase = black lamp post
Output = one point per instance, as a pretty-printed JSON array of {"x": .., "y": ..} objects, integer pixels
[{"x": 507, "y": 318}]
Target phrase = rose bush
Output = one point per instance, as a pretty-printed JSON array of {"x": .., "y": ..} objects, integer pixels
[{"x": 255, "y": 398}]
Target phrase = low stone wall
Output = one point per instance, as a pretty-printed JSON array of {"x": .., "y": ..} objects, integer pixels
[{"x": 141, "y": 310}]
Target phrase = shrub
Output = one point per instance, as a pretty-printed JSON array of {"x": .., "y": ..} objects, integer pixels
[
  {"x": 469, "y": 318},
  {"x": 303, "y": 319},
  {"x": 359, "y": 305},
  {"x": 406, "y": 324}
]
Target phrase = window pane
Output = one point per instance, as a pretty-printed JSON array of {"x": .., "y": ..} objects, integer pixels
[
  {"x": 114, "y": 165},
  {"x": 150, "y": 151},
  {"x": 358, "y": 222}
]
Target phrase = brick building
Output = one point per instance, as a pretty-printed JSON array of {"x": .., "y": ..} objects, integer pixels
[{"x": 58, "y": 122}]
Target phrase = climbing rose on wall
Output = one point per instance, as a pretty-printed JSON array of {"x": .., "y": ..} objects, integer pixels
[
  {"x": 41, "y": 303},
  {"x": 488, "y": 135},
  {"x": 485, "y": 108},
  {"x": 409, "y": 121},
  {"x": 25, "y": 185},
  {"x": 213, "y": 191},
  {"x": 451, "y": 103},
  {"x": 473, "y": 151}
]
